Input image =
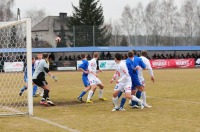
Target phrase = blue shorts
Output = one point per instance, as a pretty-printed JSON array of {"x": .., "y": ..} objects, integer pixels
[
  {"x": 85, "y": 81},
  {"x": 135, "y": 83},
  {"x": 25, "y": 79}
]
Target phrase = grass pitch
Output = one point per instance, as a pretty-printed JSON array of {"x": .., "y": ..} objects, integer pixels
[{"x": 175, "y": 97}]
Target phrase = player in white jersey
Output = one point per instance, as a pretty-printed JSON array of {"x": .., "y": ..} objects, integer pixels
[
  {"x": 93, "y": 79},
  {"x": 124, "y": 83},
  {"x": 141, "y": 78},
  {"x": 39, "y": 90}
]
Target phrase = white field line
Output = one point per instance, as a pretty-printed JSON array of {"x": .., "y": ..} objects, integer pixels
[
  {"x": 41, "y": 119},
  {"x": 55, "y": 124},
  {"x": 175, "y": 100}
]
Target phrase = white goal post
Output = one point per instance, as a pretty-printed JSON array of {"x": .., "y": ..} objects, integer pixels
[{"x": 15, "y": 56}]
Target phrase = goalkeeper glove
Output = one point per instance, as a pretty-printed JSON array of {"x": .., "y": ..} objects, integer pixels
[{"x": 54, "y": 78}]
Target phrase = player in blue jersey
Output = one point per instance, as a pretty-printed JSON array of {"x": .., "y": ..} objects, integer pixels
[
  {"x": 84, "y": 68},
  {"x": 26, "y": 80},
  {"x": 137, "y": 87},
  {"x": 132, "y": 63}
]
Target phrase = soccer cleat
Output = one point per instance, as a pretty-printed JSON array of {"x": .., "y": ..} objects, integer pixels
[
  {"x": 49, "y": 102},
  {"x": 141, "y": 104},
  {"x": 147, "y": 106},
  {"x": 135, "y": 107},
  {"x": 44, "y": 103},
  {"x": 80, "y": 99},
  {"x": 102, "y": 99},
  {"x": 34, "y": 95},
  {"x": 115, "y": 109},
  {"x": 122, "y": 109},
  {"x": 89, "y": 101},
  {"x": 20, "y": 94}
]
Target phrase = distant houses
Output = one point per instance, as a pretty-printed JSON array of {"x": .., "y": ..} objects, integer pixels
[{"x": 46, "y": 31}]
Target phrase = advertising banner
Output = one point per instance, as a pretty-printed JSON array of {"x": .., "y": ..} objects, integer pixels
[
  {"x": 173, "y": 63},
  {"x": 13, "y": 66},
  {"x": 107, "y": 65}
]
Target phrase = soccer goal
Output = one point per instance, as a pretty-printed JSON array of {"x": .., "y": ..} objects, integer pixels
[{"x": 15, "y": 56}]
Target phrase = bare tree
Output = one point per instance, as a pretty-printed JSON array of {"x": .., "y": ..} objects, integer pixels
[
  {"x": 36, "y": 15},
  {"x": 126, "y": 20},
  {"x": 6, "y": 10},
  {"x": 117, "y": 32}
]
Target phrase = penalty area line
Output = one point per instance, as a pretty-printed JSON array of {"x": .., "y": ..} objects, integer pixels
[
  {"x": 175, "y": 100},
  {"x": 55, "y": 124}
]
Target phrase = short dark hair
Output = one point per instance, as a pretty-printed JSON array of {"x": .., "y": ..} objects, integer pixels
[
  {"x": 45, "y": 55},
  {"x": 118, "y": 56},
  {"x": 83, "y": 55},
  {"x": 144, "y": 53},
  {"x": 130, "y": 54},
  {"x": 135, "y": 52}
]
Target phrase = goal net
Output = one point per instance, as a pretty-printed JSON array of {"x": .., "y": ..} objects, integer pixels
[{"x": 15, "y": 56}]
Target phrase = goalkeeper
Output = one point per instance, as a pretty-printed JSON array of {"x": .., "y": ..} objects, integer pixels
[
  {"x": 26, "y": 80},
  {"x": 39, "y": 79}
]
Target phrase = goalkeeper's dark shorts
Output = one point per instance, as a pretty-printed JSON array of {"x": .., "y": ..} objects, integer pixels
[{"x": 40, "y": 82}]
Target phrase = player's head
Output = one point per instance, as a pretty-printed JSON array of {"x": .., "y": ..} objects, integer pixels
[
  {"x": 96, "y": 55},
  {"x": 118, "y": 57},
  {"x": 33, "y": 60},
  {"x": 83, "y": 56},
  {"x": 134, "y": 52},
  {"x": 45, "y": 56},
  {"x": 130, "y": 54},
  {"x": 39, "y": 56},
  {"x": 144, "y": 53}
]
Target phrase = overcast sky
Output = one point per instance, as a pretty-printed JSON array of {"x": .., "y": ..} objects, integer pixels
[{"x": 112, "y": 8}]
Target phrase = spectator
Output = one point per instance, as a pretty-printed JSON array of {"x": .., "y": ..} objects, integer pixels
[
  {"x": 188, "y": 55},
  {"x": 60, "y": 59},
  {"x": 102, "y": 56},
  {"x": 52, "y": 56},
  {"x": 125, "y": 57},
  {"x": 66, "y": 58},
  {"x": 89, "y": 57},
  {"x": 108, "y": 56},
  {"x": 78, "y": 57},
  {"x": 70, "y": 57}
]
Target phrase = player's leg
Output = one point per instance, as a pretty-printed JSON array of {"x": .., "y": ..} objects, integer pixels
[
  {"x": 25, "y": 86},
  {"x": 35, "y": 87},
  {"x": 101, "y": 87},
  {"x": 143, "y": 96},
  {"x": 91, "y": 92},
  {"x": 115, "y": 97},
  {"x": 87, "y": 87}
]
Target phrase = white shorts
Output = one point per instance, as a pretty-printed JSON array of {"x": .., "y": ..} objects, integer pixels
[
  {"x": 94, "y": 80},
  {"x": 123, "y": 87}
]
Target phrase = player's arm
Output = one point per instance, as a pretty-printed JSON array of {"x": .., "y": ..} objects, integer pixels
[
  {"x": 81, "y": 68},
  {"x": 46, "y": 69},
  {"x": 114, "y": 77},
  {"x": 150, "y": 69}
]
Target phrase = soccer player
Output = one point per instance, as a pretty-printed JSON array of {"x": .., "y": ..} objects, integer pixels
[
  {"x": 132, "y": 63},
  {"x": 93, "y": 79},
  {"x": 84, "y": 68},
  {"x": 137, "y": 87},
  {"x": 124, "y": 83},
  {"x": 141, "y": 78},
  {"x": 26, "y": 79},
  {"x": 39, "y": 90},
  {"x": 39, "y": 79}
]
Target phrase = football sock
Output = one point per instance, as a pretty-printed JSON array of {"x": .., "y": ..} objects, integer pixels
[
  {"x": 34, "y": 89},
  {"x": 135, "y": 99},
  {"x": 123, "y": 101},
  {"x": 23, "y": 89},
  {"x": 100, "y": 93},
  {"x": 143, "y": 95},
  {"x": 82, "y": 94},
  {"x": 138, "y": 95},
  {"x": 90, "y": 94},
  {"x": 46, "y": 94},
  {"x": 119, "y": 94},
  {"x": 115, "y": 101}
]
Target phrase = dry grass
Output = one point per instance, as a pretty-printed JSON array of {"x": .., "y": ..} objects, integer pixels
[{"x": 166, "y": 95}]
